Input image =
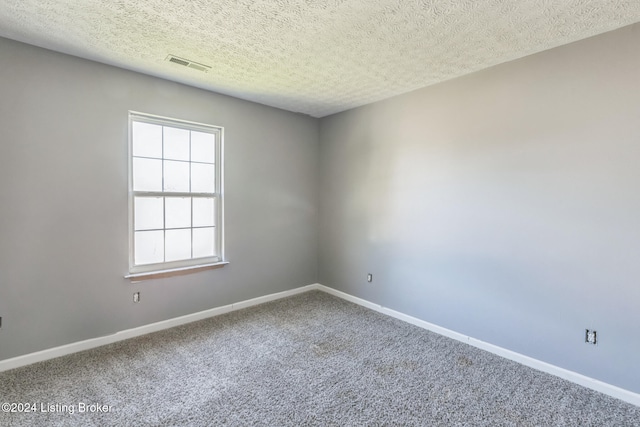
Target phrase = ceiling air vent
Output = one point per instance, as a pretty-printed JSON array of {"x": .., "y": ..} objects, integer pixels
[{"x": 188, "y": 63}]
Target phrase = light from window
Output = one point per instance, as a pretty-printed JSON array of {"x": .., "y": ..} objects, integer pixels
[{"x": 175, "y": 193}]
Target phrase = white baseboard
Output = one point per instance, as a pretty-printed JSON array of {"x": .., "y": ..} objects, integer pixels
[
  {"x": 593, "y": 384},
  {"x": 602, "y": 387},
  {"x": 75, "y": 347}
]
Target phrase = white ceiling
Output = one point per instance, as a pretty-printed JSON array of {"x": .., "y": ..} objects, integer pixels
[{"x": 313, "y": 57}]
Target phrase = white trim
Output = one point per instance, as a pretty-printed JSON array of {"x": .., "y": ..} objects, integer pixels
[
  {"x": 161, "y": 120},
  {"x": 216, "y": 195},
  {"x": 75, "y": 347},
  {"x": 175, "y": 270},
  {"x": 591, "y": 383},
  {"x": 574, "y": 377}
]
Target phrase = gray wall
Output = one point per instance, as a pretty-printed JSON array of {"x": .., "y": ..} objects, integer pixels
[
  {"x": 504, "y": 205},
  {"x": 63, "y": 200}
]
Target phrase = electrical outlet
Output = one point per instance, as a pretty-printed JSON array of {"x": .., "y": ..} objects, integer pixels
[
  {"x": 590, "y": 336},
  {"x": 369, "y": 277},
  {"x": 136, "y": 297}
]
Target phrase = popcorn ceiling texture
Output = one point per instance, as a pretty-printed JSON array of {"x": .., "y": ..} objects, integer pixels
[{"x": 314, "y": 57}]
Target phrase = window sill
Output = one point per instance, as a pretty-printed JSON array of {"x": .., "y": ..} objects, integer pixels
[{"x": 161, "y": 274}]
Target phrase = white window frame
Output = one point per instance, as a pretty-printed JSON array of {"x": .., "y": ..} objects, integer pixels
[{"x": 185, "y": 264}]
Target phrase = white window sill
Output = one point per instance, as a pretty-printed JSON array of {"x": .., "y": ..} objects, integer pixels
[{"x": 159, "y": 274}]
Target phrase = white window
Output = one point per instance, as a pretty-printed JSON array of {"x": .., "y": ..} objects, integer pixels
[{"x": 175, "y": 194}]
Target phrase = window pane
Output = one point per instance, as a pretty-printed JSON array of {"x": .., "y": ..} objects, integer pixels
[
  {"x": 147, "y": 140},
  {"x": 176, "y": 176},
  {"x": 203, "y": 242},
  {"x": 178, "y": 245},
  {"x": 178, "y": 211},
  {"x": 203, "y": 210},
  {"x": 147, "y": 175},
  {"x": 148, "y": 213},
  {"x": 203, "y": 147},
  {"x": 176, "y": 143},
  {"x": 149, "y": 247},
  {"x": 203, "y": 178}
]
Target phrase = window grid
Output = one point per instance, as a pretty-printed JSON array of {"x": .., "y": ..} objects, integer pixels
[{"x": 167, "y": 193}]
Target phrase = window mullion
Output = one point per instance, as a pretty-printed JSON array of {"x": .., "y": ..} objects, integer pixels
[{"x": 172, "y": 194}]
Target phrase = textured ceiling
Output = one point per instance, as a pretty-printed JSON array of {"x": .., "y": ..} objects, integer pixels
[{"x": 314, "y": 57}]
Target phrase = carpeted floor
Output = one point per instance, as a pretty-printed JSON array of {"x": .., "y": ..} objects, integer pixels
[{"x": 311, "y": 359}]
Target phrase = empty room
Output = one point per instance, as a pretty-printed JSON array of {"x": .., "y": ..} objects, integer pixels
[{"x": 331, "y": 213}]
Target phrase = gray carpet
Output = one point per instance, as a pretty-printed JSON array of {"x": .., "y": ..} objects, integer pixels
[{"x": 311, "y": 359}]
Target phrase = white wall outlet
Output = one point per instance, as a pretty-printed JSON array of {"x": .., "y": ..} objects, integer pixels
[
  {"x": 136, "y": 297},
  {"x": 590, "y": 336}
]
